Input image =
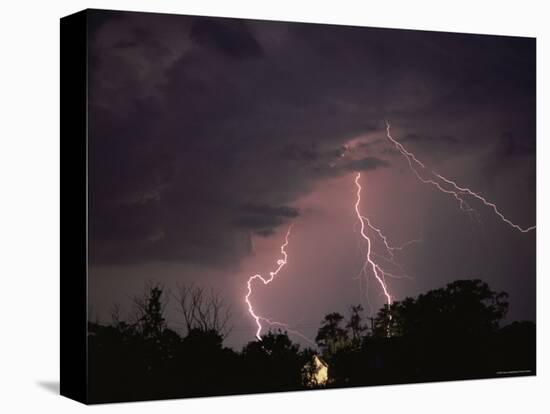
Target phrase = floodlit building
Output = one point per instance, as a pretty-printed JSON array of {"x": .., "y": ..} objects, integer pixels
[{"x": 316, "y": 372}]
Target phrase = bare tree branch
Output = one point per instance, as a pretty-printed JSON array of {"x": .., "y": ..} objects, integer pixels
[{"x": 203, "y": 309}]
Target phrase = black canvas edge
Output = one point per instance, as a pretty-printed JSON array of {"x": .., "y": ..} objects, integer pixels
[{"x": 73, "y": 206}]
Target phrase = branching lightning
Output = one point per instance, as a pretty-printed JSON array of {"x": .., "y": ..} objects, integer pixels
[
  {"x": 266, "y": 281},
  {"x": 376, "y": 269},
  {"x": 259, "y": 319},
  {"x": 287, "y": 328},
  {"x": 373, "y": 261},
  {"x": 390, "y": 249},
  {"x": 441, "y": 182}
]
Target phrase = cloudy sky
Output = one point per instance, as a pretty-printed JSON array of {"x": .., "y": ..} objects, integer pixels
[{"x": 208, "y": 137}]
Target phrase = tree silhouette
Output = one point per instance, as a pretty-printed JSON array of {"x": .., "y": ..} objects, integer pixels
[
  {"x": 145, "y": 359},
  {"x": 203, "y": 309},
  {"x": 463, "y": 307},
  {"x": 445, "y": 333},
  {"x": 150, "y": 312},
  {"x": 274, "y": 363},
  {"x": 449, "y": 333},
  {"x": 355, "y": 326},
  {"x": 331, "y": 336}
]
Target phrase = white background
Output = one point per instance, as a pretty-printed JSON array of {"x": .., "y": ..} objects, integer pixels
[{"x": 29, "y": 205}]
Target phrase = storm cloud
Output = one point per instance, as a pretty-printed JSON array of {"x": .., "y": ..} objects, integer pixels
[
  {"x": 207, "y": 133},
  {"x": 192, "y": 117}
]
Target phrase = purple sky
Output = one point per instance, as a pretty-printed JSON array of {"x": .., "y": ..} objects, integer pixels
[{"x": 208, "y": 137}]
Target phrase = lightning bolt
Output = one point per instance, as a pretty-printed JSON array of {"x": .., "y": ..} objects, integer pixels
[
  {"x": 376, "y": 269},
  {"x": 453, "y": 189},
  {"x": 426, "y": 176},
  {"x": 371, "y": 263},
  {"x": 259, "y": 319},
  {"x": 390, "y": 249},
  {"x": 287, "y": 328}
]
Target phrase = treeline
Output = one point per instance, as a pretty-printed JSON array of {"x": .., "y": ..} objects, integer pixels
[
  {"x": 446, "y": 334},
  {"x": 449, "y": 333},
  {"x": 145, "y": 359}
]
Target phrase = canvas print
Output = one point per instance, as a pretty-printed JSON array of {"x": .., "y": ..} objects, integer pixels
[{"x": 281, "y": 206}]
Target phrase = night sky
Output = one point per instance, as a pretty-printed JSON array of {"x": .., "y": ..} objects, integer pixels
[{"x": 208, "y": 137}]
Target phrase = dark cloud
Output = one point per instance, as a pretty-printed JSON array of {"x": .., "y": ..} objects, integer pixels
[
  {"x": 307, "y": 154},
  {"x": 204, "y": 130},
  {"x": 512, "y": 152},
  {"x": 364, "y": 164},
  {"x": 264, "y": 210},
  {"x": 514, "y": 145},
  {"x": 264, "y": 219},
  {"x": 230, "y": 37}
]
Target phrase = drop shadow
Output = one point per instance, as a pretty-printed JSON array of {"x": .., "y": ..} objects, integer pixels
[{"x": 51, "y": 386}]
